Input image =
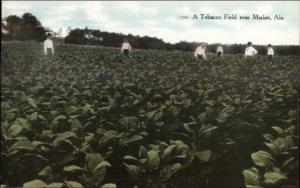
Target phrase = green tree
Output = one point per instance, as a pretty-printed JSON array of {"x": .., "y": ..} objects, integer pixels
[
  {"x": 76, "y": 36},
  {"x": 32, "y": 28},
  {"x": 14, "y": 26},
  {"x": 27, "y": 27}
]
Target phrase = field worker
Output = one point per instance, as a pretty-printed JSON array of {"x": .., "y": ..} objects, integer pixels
[
  {"x": 250, "y": 51},
  {"x": 48, "y": 45},
  {"x": 126, "y": 48},
  {"x": 270, "y": 52},
  {"x": 200, "y": 52},
  {"x": 220, "y": 50}
]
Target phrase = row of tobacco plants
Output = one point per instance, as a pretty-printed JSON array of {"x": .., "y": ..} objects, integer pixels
[{"x": 88, "y": 117}]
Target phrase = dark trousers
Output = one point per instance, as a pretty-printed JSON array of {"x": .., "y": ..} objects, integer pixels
[
  {"x": 200, "y": 58},
  {"x": 270, "y": 57},
  {"x": 49, "y": 51},
  {"x": 219, "y": 54},
  {"x": 126, "y": 52}
]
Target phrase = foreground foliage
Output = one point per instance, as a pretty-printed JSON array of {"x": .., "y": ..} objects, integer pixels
[{"x": 86, "y": 117}]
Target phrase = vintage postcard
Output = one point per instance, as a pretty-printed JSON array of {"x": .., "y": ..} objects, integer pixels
[{"x": 150, "y": 94}]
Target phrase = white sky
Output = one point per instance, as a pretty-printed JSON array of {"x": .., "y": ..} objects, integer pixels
[{"x": 161, "y": 19}]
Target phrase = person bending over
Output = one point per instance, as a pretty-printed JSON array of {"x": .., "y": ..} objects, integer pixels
[
  {"x": 250, "y": 51},
  {"x": 126, "y": 48},
  {"x": 200, "y": 53},
  {"x": 220, "y": 50}
]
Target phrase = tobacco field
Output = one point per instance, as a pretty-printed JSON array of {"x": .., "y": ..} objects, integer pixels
[{"x": 88, "y": 117}]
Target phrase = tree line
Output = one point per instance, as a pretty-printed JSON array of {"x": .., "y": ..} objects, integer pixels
[
  {"x": 28, "y": 27},
  {"x": 78, "y": 36}
]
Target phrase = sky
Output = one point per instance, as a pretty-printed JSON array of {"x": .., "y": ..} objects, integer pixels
[{"x": 161, "y": 19}]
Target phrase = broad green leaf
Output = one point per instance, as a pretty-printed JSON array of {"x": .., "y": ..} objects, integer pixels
[
  {"x": 167, "y": 171},
  {"x": 175, "y": 167},
  {"x": 108, "y": 137},
  {"x": 143, "y": 161},
  {"x": 289, "y": 142},
  {"x": 287, "y": 162},
  {"x": 18, "y": 126},
  {"x": 158, "y": 115},
  {"x": 154, "y": 115},
  {"x": 55, "y": 185},
  {"x": 204, "y": 155},
  {"x": 182, "y": 148},
  {"x": 31, "y": 102},
  {"x": 36, "y": 88},
  {"x": 133, "y": 139},
  {"x": 92, "y": 160},
  {"x": 183, "y": 156},
  {"x": 130, "y": 121},
  {"x": 174, "y": 110},
  {"x": 75, "y": 123},
  {"x": 109, "y": 185},
  {"x": 167, "y": 151},
  {"x": 128, "y": 85},
  {"x": 261, "y": 158},
  {"x": 133, "y": 171},
  {"x": 187, "y": 127},
  {"x": 14, "y": 130},
  {"x": 202, "y": 117},
  {"x": 207, "y": 129},
  {"x": 225, "y": 113},
  {"x": 35, "y": 184},
  {"x": 33, "y": 116},
  {"x": 63, "y": 136},
  {"x": 153, "y": 160},
  {"x": 143, "y": 152},
  {"x": 186, "y": 103},
  {"x": 96, "y": 167},
  {"x": 130, "y": 158},
  {"x": 179, "y": 142},
  {"x": 268, "y": 137},
  {"x": 273, "y": 148},
  {"x": 59, "y": 117},
  {"x": 73, "y": 168},
  {"x": 47, "y": 171},
  {"x": 274, "y": 177},
  {"x": 88, "y": 109},
  {"x": 23, "y": 144},
  {"x": 102, "y": 164},
  {"x": 71, "y": 109},
  {"x": 280, "y": 144},
  {"x": 279, "y": 130},
  {"x": 252, "y": 177},
  {"x": 87, "y": 92},
  {"x": 105, "y": 109},
  {"x": 73, "y": 184}
]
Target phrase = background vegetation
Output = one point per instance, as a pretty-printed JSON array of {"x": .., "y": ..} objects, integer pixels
[{"x": 29, "y": 28}]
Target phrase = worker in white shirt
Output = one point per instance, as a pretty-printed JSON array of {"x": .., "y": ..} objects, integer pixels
[
  {"x": 200, "y": 52},
  {"x": 250, "y": 51},
  {"x": 126, "y": 48},
  {"x": 220, "y": 50},
  {"x": 270, "y": 52},
  {"x": 48, "y": 45}
]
